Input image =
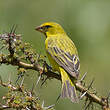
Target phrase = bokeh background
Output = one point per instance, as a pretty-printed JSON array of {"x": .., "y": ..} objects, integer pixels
[{"x": 87, "y": 22}]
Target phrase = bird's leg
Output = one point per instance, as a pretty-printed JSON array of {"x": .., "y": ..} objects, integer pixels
[{"x": 46, "y": 67}]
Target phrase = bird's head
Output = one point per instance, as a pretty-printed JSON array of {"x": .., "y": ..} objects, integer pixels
[{"x": 50, "y": 28}]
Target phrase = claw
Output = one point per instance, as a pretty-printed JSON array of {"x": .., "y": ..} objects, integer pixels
[{"x": 49, "y": 68}]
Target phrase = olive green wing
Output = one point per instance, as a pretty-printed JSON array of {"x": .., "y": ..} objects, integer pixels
[{"x": 70, "y": 63}]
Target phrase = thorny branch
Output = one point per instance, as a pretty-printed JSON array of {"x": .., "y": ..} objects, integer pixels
[
  {"x": 21, "y": 99},
  {"x": 31, "y": 60}
]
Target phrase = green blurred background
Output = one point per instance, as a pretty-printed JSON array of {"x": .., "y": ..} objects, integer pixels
[{"x": 87, "y": 22}]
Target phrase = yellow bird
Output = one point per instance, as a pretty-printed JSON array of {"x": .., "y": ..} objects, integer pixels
[{"x": 63, "y": 57}]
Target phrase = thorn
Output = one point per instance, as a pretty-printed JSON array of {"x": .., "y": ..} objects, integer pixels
[
  {"x": 43, "y": 104},
  {"x": 87, "y": 106},
  {"x": 85, "y": 103},
  {"x": 2, "y": 48},
  {"x": 27, "y": 108},
  {"x": 46, "y": 108},
  {"x": 1, "y": 79},
  {"x": 32, "y": 88},
  {"x": 15, "y": 27},
  {"x": 83, "y": 95},
  {"x": 83, "y": 77},
  {"x": 38, "y": 57},
  {"x": 17, "y": 79},
  {"x": 12, "y": 29},
  {"x": 22, "y": 82},
  {"x": 87, "y": 89},
  {"x": 57, "y": 98},
  {"x": 44, "y": 81},
  {"x": 38, "y": 80},
  {"x": 9, "y": 78},
  {"x": 49, "y": 107},
  {"x": 19, "y": 76},
  {"x": 91, "y": 84}
]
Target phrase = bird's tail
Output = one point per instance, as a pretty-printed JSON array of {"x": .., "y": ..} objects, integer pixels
[{"x": 68, "y": 88}]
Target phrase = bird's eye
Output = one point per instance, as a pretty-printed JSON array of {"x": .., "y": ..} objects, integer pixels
[{"x": 48, "y": 26}]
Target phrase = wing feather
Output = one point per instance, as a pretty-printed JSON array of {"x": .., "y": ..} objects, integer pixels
[{"x": 69, "y": 62}]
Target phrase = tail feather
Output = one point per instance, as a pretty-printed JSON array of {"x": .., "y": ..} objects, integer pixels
[
  {"x": 68, "y": 87},
  {"x": 69, "y": 91}
]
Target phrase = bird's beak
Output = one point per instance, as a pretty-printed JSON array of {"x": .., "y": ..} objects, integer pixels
[{"x": 39, "y": 28}]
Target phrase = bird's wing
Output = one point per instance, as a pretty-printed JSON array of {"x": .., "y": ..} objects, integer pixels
[{"x": 69, "y": 63}]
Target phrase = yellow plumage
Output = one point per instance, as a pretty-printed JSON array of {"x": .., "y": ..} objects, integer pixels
[{"x": 63, "y": 57}]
